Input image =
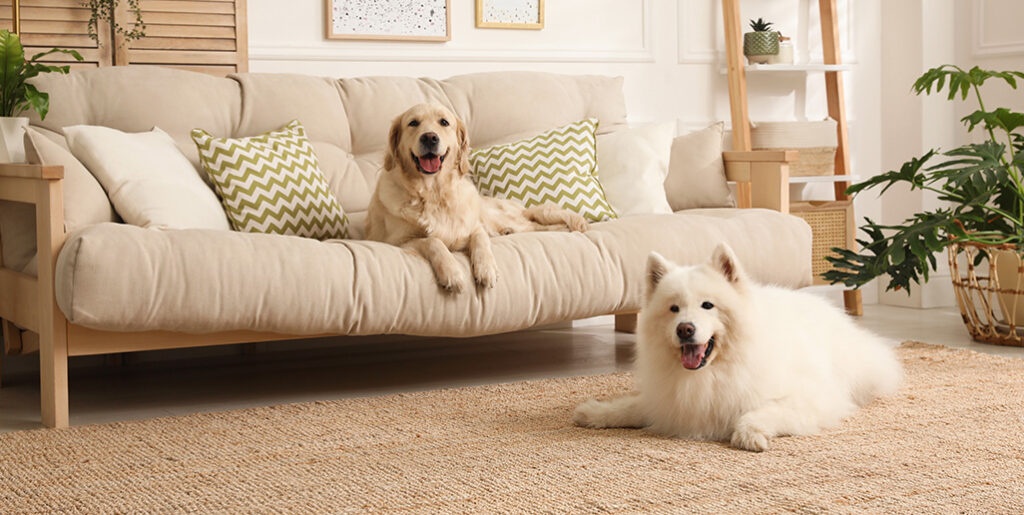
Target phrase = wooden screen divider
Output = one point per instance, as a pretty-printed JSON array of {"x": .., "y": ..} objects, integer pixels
[{"x": 208, "y": 36}]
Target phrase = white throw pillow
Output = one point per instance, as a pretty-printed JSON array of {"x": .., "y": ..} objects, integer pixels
[
  {"x": 632, "y": 165},
  {"x": 149, "y": 181},
  {"x": 696, "y": 173}
]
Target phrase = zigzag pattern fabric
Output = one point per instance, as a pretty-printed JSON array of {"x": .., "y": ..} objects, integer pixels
[
  {"x": 558, "y": 166},
  {"x": 272, "y": 183}
]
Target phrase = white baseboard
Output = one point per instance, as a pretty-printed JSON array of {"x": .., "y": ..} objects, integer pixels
[{"x": 936, "y": 293}]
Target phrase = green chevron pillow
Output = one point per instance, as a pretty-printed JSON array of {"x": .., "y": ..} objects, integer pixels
[
  {"x": 558, "y": 166},
  {"x": 272, "y": 183}
]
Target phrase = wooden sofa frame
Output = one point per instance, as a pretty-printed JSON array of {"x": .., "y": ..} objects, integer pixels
[{"x": 28, "y": 302}]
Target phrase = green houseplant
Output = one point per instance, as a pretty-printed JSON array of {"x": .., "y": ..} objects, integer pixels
[
  {"x": 105, "y": 11},
  {"x": 18, "y": 95},
  {"x": 759, "y": 45},
  {"x": 981, "y": 184}
]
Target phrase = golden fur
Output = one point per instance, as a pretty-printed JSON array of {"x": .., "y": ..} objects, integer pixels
[{"x": 436, "y": 213}]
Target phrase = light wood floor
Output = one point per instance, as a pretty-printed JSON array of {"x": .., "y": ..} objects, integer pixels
[{"x": 155, "y": 384}]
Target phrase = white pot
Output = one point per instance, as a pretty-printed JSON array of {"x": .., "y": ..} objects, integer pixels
[
  {"x": 12, "y": 139},
  {"x": 1011, "y": 277}
]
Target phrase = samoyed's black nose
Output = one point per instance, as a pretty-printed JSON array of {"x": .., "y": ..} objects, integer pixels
[{"x": 685, "y": 330}]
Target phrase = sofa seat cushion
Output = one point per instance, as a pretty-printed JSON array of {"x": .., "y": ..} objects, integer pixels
[{"x": 124, "y": 278}]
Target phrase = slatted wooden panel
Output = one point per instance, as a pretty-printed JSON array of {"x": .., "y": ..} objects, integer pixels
[
  {"x": 199, "y": 35},
  {"x": 208, "y": 36},
  {"x": 58, "y": 23}
]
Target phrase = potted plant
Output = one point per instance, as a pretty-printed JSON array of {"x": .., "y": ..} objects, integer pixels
[
  {"x": 761, "y": 44},
  {"x": 105, "y": 11},
  {"x": 17, "y": 95},
  {"x": 982, "y": 186}
]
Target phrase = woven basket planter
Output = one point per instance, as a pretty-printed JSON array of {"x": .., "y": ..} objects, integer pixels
[{"x": 988, "y": 282}]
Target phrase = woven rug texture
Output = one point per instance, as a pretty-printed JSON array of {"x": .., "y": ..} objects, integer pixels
[{"x": 952, "y": 440}]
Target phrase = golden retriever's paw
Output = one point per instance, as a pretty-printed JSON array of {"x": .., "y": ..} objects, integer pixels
[
  {"x": 590, "y": 414},
  {"x": 577, "y": 223},
  {"x": 451, "y": 279},
  {"x": 485, "y": 273},
  {"x": 750, "y": 439}
]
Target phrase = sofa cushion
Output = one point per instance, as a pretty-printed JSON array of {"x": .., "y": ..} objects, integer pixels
[
  {"x": 150, "y": 182},
  {"x": 202, "y": 280},
  {"x": 632, "y": 164},
  {"x": 696, "y": 171},
  {"x": 558, "y": 167},
  {"x": 138, "y": 98},
  {"x": 272, "y": 183}
]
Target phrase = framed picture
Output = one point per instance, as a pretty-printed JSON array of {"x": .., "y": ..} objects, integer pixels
[
  {"x": 510, "y": 14},
  {"x": 399, "y": 20}
]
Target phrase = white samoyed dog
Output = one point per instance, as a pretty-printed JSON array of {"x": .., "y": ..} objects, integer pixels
[{"x": 720, "y": 357}]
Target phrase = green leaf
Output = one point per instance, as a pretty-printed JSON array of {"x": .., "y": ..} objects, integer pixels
[
  {"x": 12, "y": 61},
  {"x": 39, "y": 101},
  {"x": 78, "y": 57}
]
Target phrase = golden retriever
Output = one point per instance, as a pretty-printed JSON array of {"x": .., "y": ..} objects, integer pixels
[{"x": 426, "y": 202}]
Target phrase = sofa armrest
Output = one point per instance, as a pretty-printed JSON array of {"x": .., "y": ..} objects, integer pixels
[{"x": 761, "y": 176}]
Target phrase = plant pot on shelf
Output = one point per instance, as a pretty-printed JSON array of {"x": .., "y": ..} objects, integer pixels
[
  {"x": 988, "y": 282},
  {"x": 12, "y": 139},
  {"x": 760, "y": 47}
]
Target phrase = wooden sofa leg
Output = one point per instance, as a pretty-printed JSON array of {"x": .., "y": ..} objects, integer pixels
[
  {"x": 854, "y": 302},
  {"x": 53, "y": 327},
  {"x": 625, "y": 323}
]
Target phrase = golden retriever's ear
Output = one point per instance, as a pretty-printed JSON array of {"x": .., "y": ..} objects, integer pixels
[
  {"x": 463, "y": 155},
  {"x": 391, "y": 158}
]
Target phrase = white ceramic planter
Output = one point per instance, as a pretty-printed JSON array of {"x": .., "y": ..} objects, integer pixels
[{"x": 12, "y": 139}]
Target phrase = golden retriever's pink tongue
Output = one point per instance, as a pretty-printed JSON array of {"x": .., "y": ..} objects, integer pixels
[
  {"x": 430, "y": 164},
  {"x": 692, "y": 355}
]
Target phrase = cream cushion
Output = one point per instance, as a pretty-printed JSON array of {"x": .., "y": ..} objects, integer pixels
[
  {"x": 202, "y": 281},
  {"x": 149, "y": 181},
  {"x": 632, "y": 165},
  {"x": 696, "y": 174},
  {"x": 86, "y": 202}
]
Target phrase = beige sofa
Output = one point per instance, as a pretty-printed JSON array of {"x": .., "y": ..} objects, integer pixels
[{"x": 86, "y": 284}]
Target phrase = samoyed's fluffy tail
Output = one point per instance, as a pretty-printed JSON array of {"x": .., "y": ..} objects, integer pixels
[{"x": 881, "y": 373}]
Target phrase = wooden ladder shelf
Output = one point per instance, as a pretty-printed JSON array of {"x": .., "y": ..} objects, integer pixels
[{"x": 836, "y": 107}]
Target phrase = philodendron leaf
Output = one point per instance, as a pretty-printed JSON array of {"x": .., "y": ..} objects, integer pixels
[
  {"x": 72, "y": 53},
  {"x": 40, "y": 101},
  {"x": 12, "y": 59},
  {"x": 1001, "y": 118}
]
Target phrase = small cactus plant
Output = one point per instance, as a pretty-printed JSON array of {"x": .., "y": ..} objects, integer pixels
[{"x": 759, "y": 25}]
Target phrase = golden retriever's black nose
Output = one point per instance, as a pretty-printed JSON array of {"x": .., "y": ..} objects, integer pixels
[
  {"x": 685, "y": 331},
  {"x": 430, "y": 140}
]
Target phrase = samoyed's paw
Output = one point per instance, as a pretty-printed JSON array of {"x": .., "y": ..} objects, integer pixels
[
  {"x": 592, "y": 414},
  {"x": 750, "y": 439}
]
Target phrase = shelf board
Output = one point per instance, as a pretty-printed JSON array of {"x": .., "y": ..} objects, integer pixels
[
  {"x": 794, "y": 68},
  {"x": 822, "y": 178}
]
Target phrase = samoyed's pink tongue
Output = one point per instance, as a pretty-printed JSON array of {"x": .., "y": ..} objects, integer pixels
[
  {"x": 692, "y": 355},
  {"x": 430, "y": 164}
]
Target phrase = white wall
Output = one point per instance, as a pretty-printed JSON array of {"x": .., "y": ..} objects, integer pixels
[{"x": 669, "y": 51}]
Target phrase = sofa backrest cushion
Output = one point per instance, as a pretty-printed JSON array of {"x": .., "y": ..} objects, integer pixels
[{"x": 347, "y": 119}]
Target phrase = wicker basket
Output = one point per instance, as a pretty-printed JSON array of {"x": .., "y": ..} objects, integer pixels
[
  {"x": 831, "y": 226},
  {"x": 816, "y": 141},
  {"x": 988, "y": 282}
]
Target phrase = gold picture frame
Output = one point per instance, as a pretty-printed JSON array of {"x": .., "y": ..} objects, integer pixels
[
  {"x": 483, "y": 24},
  {"x": 330, "y": 33}
]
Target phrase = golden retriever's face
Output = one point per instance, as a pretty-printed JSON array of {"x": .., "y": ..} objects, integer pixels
[{"x": 428, "y": 141}]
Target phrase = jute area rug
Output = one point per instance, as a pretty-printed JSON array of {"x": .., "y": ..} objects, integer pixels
[{"x": 950, "y": 441}]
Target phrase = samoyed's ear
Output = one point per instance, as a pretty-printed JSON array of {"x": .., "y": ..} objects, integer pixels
[
  {"x": 725, "y": 262},
  {"x": 657, "y": 267}
]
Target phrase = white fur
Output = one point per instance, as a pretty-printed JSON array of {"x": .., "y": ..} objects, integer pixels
[{"x": 784, "y": 362}]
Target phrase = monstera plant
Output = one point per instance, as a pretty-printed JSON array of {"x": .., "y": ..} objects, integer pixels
[
  {"x": 981, "y": 184},
  {"x": 18, "y": 95}
]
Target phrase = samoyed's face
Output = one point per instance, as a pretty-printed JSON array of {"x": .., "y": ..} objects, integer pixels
[{"x": 687, "y": 313}]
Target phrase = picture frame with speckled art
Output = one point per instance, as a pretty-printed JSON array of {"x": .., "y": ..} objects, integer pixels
[
  {"x": 388, "y": 20},
  {"x": 509, "y": 14}
]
